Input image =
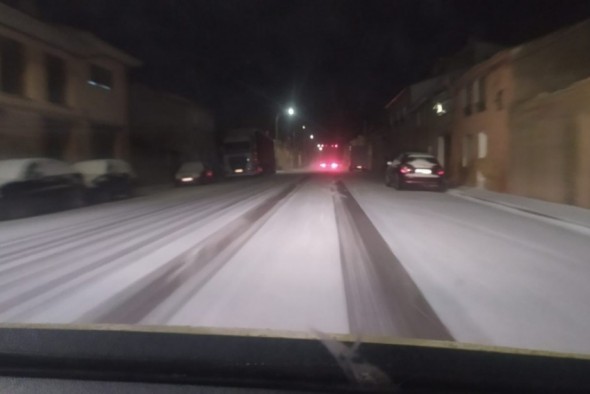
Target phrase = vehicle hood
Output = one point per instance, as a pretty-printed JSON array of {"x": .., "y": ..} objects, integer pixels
[{"x": 262, "y": 359}]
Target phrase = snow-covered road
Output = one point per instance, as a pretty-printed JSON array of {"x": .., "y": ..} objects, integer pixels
[{"x": 299, "y": 252}]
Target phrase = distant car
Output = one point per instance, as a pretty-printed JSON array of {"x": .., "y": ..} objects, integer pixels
[
  {"x": 330, "y": 165},
  {"x": 194, "y": 173},
  {"x": 415, "y": 169},
  {"x": 38, "y": 185},
  {"x": 107, "y": 179}
]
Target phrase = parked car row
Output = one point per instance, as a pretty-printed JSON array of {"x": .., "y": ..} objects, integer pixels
[{"x": 39, "y": 185}]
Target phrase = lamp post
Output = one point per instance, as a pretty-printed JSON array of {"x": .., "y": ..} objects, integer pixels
[{"x": 290, "y": 111}]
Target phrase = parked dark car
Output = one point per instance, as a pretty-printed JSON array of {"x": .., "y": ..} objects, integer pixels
[
  {"x": 107, "y": 179},
  {"x": 38, "y": 185},
  {"x": 415, "y": 169},
  {"x": 194, "y": 173}
]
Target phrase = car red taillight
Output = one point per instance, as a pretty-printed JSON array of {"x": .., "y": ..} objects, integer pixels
[
  {"x": 323, "y": 165},
  {"x": 405, "y": 169},
  {"x": 209, "y": 174},
  {"x": 334, "y": 165},
  {"x": 440, "y": 171}
]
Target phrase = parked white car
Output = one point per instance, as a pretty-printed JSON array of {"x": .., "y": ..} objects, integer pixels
[
  {"x": 38, "y": 185},
  {"x": 107, "y": 179}
]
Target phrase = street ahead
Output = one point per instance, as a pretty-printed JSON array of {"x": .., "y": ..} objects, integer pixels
[{"x": 304, "y": 252}]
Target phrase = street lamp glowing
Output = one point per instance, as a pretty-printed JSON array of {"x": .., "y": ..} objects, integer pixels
[
  {"x": 311, "y": 136},
  {"x": 290, "y": 111},
  {"x": 303, "y": 127}
]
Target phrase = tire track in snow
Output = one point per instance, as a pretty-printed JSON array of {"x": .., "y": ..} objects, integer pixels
[
  {"x": 102, "y": 263},
  {"x": 102, "y": 266},
  {"x": 382, "y": 298},
  {"x": 15, "y": 248},
  {"x": 95, "y": 241},
  {"x": 157, "y": 298}
]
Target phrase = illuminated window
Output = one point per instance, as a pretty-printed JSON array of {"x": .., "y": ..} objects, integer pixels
[
  {"x": 482, "y": 145},
  {"x": 439, "y": 109},
  {"x": 101, "y": 77}
]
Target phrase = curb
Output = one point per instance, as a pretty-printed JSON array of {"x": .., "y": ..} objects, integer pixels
[{"x": 517, "y": 208}]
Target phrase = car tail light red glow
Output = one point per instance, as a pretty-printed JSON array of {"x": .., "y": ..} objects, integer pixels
[
  {"x": 209, "y": 173},
  {"x": 405, "y": 169},
  {"x": 440, "y": 172},
  {"x": 323, "y": 165},
  {"x": 334, "y": 165}
]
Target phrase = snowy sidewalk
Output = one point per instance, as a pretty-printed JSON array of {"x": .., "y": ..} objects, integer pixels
[{"x": 564, "y": 213}]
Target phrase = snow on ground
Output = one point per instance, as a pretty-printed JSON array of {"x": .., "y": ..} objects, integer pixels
[
  {"x": 287, "y": 277},
  {"x": 493, "y": 277},
  {"x": 79, "y": 268}
]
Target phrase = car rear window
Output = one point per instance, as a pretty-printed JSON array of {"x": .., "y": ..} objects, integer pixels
[
  {"x": 195, "y": 166},
  {"x": 430, "y": 159}
]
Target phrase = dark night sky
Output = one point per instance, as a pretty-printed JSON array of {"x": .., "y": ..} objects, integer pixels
[{"x": 337, "y": 61}]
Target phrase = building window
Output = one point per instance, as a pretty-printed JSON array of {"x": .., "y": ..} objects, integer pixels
[
  {"x": 479, "y": 94},
  {"x": 466, "y": 99},
  {"x": 482, "y": 145},
  {"x": 101, "y": 77},
  {"x": 12, "y": 66},
  {"x": 56, "y": 79}
]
